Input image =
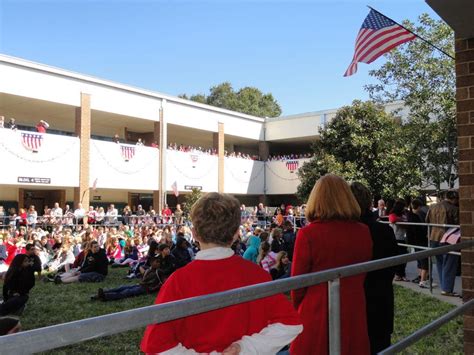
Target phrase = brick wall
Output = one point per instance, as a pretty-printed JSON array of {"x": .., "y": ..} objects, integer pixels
[{"x": 465, "y": 121}]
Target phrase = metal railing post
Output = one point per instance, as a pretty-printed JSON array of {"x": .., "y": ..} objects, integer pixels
[
  {"x": 430, "y": 263},
  {"x": 334, "y": 311}
]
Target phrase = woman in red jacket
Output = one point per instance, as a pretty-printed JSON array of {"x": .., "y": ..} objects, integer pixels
[{"x": 333, "y": 238}]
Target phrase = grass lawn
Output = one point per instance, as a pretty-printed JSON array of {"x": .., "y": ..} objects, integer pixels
[{"x": 52, "y": 304}]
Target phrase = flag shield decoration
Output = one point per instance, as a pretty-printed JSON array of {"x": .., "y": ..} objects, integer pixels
[
  {"x": 292, "y": 165},
  {"x": 32, "y": 141},
  {"x": 128, "y": 152}
]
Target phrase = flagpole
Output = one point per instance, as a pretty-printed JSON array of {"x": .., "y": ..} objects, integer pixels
[{"x": 424, "y": 40}]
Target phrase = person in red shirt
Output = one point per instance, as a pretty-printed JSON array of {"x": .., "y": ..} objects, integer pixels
[
  {"x": 262, "y": 326},
  {"x": 333, "y": 238},
  {"x": 166, "y": 214},
  {"x": 42, "y": 126}
]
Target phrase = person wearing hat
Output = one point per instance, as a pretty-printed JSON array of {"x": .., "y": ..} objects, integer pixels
[{"x": 42, "y": 126}]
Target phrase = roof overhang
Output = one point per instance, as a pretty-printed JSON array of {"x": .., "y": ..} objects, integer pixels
[{"x": 458, "y": 14}]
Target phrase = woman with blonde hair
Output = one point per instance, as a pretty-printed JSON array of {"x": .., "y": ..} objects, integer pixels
[{"x": 333, "y": 238}]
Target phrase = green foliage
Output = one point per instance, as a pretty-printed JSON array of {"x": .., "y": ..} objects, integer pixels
[
  {"x": 424, "y": 79},
  {"x": 191, "y": 199},
  {"x": 362, "y": 143},
  {"x": 247, "y": 100}
]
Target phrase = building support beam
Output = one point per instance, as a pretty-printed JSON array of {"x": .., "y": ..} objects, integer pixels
[
  {"x": 218, "y": 142},
  {"x": 163, "y": 144},
  {"x": 83, "y": 131}
]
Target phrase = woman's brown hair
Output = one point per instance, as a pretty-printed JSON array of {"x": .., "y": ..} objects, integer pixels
[
  {"x": 332, "y": 199},
  {"x": 216, "y": 218}
]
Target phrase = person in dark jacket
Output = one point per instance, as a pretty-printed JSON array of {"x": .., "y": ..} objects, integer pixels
[
  {"x": 167, "y": 260},
  {"x": 19, "y": 280},
  {"x": 418, "y": 235},
  {"x": 94, "y": 269},
  {"x": 278, "y": 243},
  {"x": 151, "y": 282},
  {"x": 378, "y": 283},
  {"x": 181, "y": 252},
  {"x": 289, "y": 236}
]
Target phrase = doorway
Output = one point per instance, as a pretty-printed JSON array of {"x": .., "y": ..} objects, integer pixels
[{"x": 42, "y": 199}]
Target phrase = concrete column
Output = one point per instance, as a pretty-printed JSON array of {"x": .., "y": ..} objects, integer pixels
[
  {"x": 163, "y": 139},
  {"x": 156, "y": 138},
  {"x": 83, "y": 131},
  {"x": 21, "y": 199},
  {"x": 218, "y": 142},
  {"x": 465, "y": 125},
  {"x": 263, "y": 150}
]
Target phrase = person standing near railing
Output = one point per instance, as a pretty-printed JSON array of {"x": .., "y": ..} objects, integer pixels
[
  {"x": 333, "y": 238},
  {"x": 378, "y": 284},
  {"x": 32, "y": 217},
  {"x": 417, "y": 235},
  {"x": 261, "y": 215},
  {"x": 79, "y": 214},
  {"x": 398, "y": 214},
  {"x": 444, "y": 212}
]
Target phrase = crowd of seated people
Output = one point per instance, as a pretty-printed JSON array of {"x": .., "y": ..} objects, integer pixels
[{"x": 150, "y": 251}]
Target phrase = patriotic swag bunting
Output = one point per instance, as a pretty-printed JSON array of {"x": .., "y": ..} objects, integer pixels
[
  {"x": 194, "y": 159},
  {"x": 128, "y": 152},
  {"x": 32, "y": 141},
  {"x": 378, "y": 35},
  {"x": 292, "y": 165}
]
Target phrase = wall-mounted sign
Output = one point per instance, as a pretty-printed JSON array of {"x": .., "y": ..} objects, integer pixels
[
  {"x": 97, "y": 198},
  {"x": 190, "y": 187},
  {"x": 33, "y": 180}
]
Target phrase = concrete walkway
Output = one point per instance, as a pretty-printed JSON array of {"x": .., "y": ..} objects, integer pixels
[{"x": 412, "y": 273}]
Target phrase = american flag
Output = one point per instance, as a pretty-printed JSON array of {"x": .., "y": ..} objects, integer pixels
[
  {"x": 31, "y": 141},
  {"x": 174, "y": 186},
  {"x": 292, "y": 165},
  {"x": 128, "y": 152},
  {"x": 378, "y": 35}
]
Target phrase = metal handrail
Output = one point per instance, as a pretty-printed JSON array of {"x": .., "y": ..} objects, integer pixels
[
  {"x": 427, "y": 329},
  {"x": 47, "y": 338}
]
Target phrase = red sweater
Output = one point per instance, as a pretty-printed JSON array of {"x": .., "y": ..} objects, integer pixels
[{"x": 216, "y": 330}]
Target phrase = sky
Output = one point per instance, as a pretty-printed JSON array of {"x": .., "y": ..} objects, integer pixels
[{"x": 297, "y": 50}]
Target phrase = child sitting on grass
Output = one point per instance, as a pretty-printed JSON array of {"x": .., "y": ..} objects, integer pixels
[
  {"x": 151, "y": 282},
  {"x": 262, "y": 326}
]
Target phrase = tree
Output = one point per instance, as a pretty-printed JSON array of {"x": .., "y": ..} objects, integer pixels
[
  {"x": 247, "y": 100},
  {"x": 424, "y": 79},
  {"x": 362, "y": 143},
  {"x": 191, "y": 199}
]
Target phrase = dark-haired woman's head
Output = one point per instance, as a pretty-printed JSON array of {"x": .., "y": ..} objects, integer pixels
[
  {"x": 19, "y": 262},
  {"x": 398, "y": 207},
  {"x": 362, "y": 195}
]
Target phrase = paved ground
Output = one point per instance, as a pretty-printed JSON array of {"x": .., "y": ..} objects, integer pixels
[{"x": 411, "y": 271}]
